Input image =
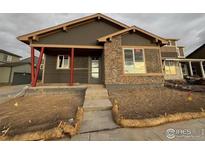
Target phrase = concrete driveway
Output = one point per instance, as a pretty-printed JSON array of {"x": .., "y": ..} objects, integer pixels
[{"x": 8, "y": 92}]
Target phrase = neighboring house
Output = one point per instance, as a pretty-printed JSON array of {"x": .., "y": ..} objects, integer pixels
[
  {"x": 8, "y": 57},
  {"x": 197, "y": 62},
  {"x": 99, "y": 49},
  {"x": 15, "y": 71},
  {"x": 172, "y": 69}
]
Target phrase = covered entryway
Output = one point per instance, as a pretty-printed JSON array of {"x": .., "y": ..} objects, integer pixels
[
  {"x": 191, "y": 67},
  {"x": 70, "y": 65}
]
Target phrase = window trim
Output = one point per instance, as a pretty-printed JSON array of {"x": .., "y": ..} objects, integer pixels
[
  {"x": 63, "y": 68},
  {"x": 144, "y": 60},
  {"x": 169, "y": 68},
  {"x": 9, "y": 58}
]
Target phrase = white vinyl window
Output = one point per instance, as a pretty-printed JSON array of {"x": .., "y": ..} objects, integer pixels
[
  {"x": 170, "y": 67},
  {"x": 9, "y": 58},
  {"x": 63, "y": 62},
  {"x": 134, "y": 61}
]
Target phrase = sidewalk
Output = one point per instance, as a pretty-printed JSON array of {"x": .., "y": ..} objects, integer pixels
[
  {"x": 196, "y": 127},
  {"x": 8, "y": 92}
]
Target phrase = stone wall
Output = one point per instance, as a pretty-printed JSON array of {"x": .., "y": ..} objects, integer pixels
[{"x": 114, "y": 74}]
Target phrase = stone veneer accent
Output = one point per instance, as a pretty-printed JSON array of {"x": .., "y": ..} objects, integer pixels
[{"x": 113, "y": 63}]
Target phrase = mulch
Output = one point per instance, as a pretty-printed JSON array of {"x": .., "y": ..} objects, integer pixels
[
  {"x": 152, "y": 102},
  {"x": 37, "y": 113}
]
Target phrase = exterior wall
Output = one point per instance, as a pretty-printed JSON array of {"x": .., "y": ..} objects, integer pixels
[
  {"x": 53, "y": 75},
  {"x": 177, "y": 76},
  {"x": 14, "y": 58},
  {"x": 113, "y": 66},
  {"x": 137, "y": 38},
  {"x": 86, "y": 34},
  {"x": 169, "y": 52},
  {"x": 5, "y": 72}
]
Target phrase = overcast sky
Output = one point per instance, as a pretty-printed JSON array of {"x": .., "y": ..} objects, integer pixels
[{"x": 189, "y": 28}]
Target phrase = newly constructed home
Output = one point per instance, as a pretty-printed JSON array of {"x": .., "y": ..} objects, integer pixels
[{"x": 99, "y": 49}]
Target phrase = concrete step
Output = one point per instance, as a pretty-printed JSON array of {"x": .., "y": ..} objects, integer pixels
[
  {"x": 95, "y": 97},
  {"x": 97, "y": 105}
]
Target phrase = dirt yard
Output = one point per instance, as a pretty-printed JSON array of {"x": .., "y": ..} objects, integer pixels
[
  {"x": 153, "y": 102},
  {"x": 34, "y": 113}
]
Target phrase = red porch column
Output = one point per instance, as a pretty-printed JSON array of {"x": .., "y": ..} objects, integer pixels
[
  {"x": 72, "y": 67},
  {"x": 38, "y": 67},
  {"x": 32, "y": 65}
]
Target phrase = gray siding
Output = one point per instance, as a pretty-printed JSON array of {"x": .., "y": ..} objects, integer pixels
[
  {"x": 137, "y": 38},
  {"x": 86, "y": 34},
  {"x": 169, "y": 52},
  {"x": 53, "y": 75},
  {"x": 2, "y": 60}
]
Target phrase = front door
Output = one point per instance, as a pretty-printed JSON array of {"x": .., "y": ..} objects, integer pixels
[{"x": 95, "y": 69}]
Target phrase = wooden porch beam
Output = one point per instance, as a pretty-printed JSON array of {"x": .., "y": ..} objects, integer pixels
[
  {"x": 38, "y": 67},
  {"x": 67, "y": 46},
  {"x": 72, "y": 67},
  {"x": 32, "y": 65}
]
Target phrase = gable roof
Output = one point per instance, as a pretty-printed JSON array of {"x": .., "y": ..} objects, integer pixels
[
  {"x": 9, "y": 53},
  {"x": 202, "y": 46},
  {"x": 104, "y": 38},
  {"x": 26, "y": 37}
]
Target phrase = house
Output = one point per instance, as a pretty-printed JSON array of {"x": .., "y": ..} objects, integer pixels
[
  {"x": 172, "y": 69},
  {"x": 191, "y": 66},
  {"x": 8, "y": 57},
  {"x": 13, "y": 70},
  {"x": 198, "y": 66},
  {"x": 15, "y": 73},
  {"x": 99, "y": 49}
]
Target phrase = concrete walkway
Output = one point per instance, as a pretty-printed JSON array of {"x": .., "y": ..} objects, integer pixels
[
  {"x": 190, "y": 130},
  {"x": 97, "y": 106}
]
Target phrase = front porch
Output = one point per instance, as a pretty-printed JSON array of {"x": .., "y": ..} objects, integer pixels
[
  {"x": 68, "y": 66},
  {"x": 189, "y": 67}
]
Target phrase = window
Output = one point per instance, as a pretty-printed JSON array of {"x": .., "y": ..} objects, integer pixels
[
  {"x": 5, "y": 58},
  {"x": 170, "y": 67},
  {"x": 62, "y": 62},
  {"x": 9, "y": 58},
  {"x": 134, "y": 61}
]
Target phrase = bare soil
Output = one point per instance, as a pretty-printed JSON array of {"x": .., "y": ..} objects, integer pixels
[
  {"x": 152, "y": 102},
  {"x": 34, "y": 113}
]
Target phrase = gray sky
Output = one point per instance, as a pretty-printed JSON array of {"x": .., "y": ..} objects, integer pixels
[{"x": 189, "y": 28}]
